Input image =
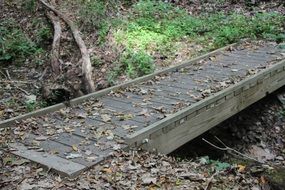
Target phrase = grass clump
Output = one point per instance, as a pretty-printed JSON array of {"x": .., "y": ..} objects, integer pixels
[
  {"x": 230, "y": 28},
  {"x": 133, "y": 64},
  {"x": 44, "y": 34},
  {"x": 15, "y": 46},
  {"x": 137, "y": 64},
  {"x": 29, "y": 5}
]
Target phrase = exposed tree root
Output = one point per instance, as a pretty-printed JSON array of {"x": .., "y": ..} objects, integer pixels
[
  {"x": 55, "y": 64},
  {"x": 86, "y": 63}
]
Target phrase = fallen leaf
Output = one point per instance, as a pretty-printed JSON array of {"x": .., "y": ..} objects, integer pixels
[
  {"x": 107, "y": 170},
  {"x": 116, "y": 147},
  {"x": 144, "y": 112},
  {"x": 106, "y": 118},
  {"x": 41, "y": 138},
  {"x": 72, "y": 156},
  {"x": 261, "y": 154},
  {"x": 81, "y": 116},
  {"x": 20, "y": 162},
  {"x": 91, "y": 158},
  {"x": 146, "y": 179},
  {"x": 125, "y": 117},
  {"x": 74, "y": 147},
  {"x": 241, "y": 168}
]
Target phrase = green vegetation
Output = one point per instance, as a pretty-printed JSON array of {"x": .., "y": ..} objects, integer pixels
[
  {"x": 155, "y": 26},
  {"x": 147, "y": 31},
  {"x": 29, "y": 5},
  {"x": 137, "y": 64},
  {"x": 217, "y": 165},
  {"x": 15, "y": 46},
  {"x": 93, "y": 15},
  {"x": 44, "y": 35}
]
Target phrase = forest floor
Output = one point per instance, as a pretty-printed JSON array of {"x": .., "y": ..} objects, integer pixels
[
  {"x": 257, "y": 134},
  {"x": 124, "y": 42}
]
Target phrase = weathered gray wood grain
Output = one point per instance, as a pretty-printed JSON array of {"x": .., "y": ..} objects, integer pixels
[{"x": 60, "y": 165}]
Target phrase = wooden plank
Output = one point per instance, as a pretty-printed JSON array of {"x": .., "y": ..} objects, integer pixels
[
  {"x": 187, "y": 99},
  {"x": 183, "y": 83},
  {"x": 247, "y": 61},
  {"x": 62, "y": 150},
  {"x": 165, "y": 88},
  {"x": 135, "y": 99},
  {"x": 11, "y": 121},
  {"x": 60, "y": 165},
  {"x": 138, "y": 137},
  {"x": 68, "y": 139},
  {"x": 138, "y": 106}
]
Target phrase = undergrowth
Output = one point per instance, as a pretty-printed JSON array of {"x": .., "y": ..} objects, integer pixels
[
  {"x": 137, "y": 64},
  {"x": 154, "y": 26},
  {"x": 15, "y": 46},
  {"x": 97, "y": 15}
]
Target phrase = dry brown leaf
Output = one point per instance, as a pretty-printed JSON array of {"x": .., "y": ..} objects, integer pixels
[
  {"x": 74, "y": 147},
  {"x": 107, "y": 170},
  {"x": 106, "y": 118}
]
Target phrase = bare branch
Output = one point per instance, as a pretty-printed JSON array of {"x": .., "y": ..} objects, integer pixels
[{"x": 230, "y": 150}]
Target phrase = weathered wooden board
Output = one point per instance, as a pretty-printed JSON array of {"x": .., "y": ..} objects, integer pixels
[{"x": 60, "y": 165}]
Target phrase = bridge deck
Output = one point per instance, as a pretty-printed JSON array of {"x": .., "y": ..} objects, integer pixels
[{"x": 159, "y": 112}]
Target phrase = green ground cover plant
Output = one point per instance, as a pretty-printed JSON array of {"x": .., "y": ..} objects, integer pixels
[
  {"x": 154, "y": 26},
  {"x": 15, "y": 46}
]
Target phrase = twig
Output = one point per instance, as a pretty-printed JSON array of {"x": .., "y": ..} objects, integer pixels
[
  {"x": 208, "y": 187},
  {"x": 3, "y": 74},
  {"x": 8, "y": 74},
  {"x": 230, "y": 150},
  {"x": 21, "y": 180},
  {"x": 16, "y": 81},
  {"x": 43, "y": 74},
  {"x": 22, "y": 90}
]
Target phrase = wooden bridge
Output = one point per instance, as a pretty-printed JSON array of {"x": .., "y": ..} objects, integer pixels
[{"x": 158, "y": 112}]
